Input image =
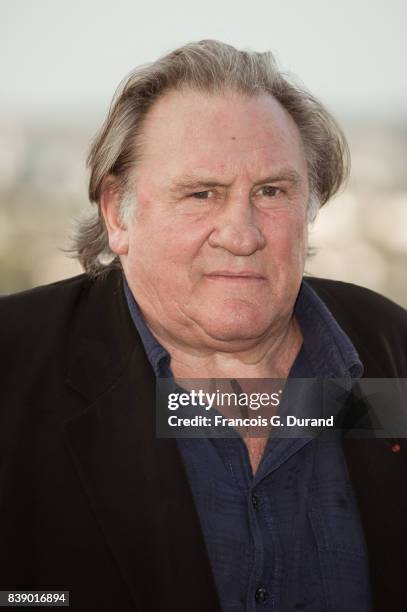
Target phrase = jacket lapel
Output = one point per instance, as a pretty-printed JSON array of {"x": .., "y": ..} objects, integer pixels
[
  {"x": 377, "y": 469},
  {"x": 378, "y": 476}
]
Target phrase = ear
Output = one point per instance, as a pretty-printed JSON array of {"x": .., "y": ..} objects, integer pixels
[{"x": 110, "y": 207}]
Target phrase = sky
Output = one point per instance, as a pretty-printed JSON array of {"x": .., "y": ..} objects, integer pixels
[{"x": 65, "y": 57}]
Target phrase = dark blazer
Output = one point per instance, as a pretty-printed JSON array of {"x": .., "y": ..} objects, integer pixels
[{"x": 93, "y": 503}]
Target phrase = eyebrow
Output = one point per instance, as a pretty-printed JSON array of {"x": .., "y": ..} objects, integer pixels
[{"x": 190, "y": 182}]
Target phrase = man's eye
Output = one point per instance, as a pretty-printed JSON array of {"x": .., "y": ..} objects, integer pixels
[
  {"x": 201, "y": 195},
  {"x": 270, "y": 191}
]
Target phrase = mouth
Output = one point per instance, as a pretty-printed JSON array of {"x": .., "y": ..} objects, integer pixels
[{"x": 243, "y": 275}]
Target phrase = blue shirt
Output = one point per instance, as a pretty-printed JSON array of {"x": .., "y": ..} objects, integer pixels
[{"x": 288, "y": 537}]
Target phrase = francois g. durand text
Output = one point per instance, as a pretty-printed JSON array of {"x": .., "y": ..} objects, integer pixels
[{"x": 256, "y": 421}]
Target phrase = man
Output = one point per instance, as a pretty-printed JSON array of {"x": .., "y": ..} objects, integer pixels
[{"x": 206, "y": 173}]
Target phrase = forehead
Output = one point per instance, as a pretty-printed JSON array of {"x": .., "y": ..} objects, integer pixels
[{"x": 188, "y": 130}]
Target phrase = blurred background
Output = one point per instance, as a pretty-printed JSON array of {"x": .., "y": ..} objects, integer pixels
[{"x": 61, "y": 62}]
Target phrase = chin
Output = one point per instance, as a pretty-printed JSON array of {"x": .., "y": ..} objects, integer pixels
[{"x": 236, "y": 320}]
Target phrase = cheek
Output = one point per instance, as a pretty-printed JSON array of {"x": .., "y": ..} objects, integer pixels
[
  {"x": 166, "y": 245},
  {"x": 286, "y": 238}
]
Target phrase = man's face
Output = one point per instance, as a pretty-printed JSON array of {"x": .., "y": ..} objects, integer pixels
[{"x": 216, "y": 250}]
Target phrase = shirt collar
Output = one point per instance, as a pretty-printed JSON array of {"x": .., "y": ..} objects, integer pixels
[
  {"x": 327, "y": 350},
  {"x": 157, "y": 355}
]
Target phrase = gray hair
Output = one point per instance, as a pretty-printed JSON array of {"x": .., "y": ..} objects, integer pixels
[{"x": 207, "y": 66}]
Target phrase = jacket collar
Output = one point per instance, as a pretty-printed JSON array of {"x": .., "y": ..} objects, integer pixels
[{"x": 103, "y": 337}]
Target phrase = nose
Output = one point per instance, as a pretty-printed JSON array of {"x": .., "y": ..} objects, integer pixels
[{"x": 235, "y": 230}]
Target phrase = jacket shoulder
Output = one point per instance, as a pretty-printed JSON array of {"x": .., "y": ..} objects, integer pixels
[
  {"x": 30, "y": 312},
  {"x": 376, "y": 325},
  {"x": 39, "y": 325},
  {"x": 355, "y": 299}
]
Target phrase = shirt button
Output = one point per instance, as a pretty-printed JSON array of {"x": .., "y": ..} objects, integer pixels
[
  {"x": 255, "y": 502},
  {"x": 260, "y": 595}
]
